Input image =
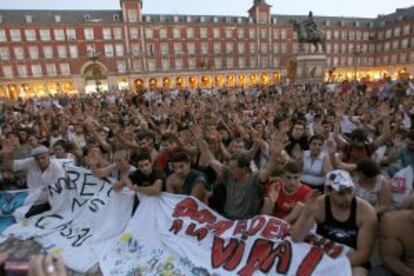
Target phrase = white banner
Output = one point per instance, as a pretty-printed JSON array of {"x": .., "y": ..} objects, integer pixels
[
  {"x": 168, "y": 235},
  {"x": 85, "y": 214},
  {"x": 178, "y": 235}
]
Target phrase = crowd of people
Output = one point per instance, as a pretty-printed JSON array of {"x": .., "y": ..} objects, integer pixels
[{"x": 309, "y": 154}]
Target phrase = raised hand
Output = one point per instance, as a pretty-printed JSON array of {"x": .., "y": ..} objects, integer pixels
[
  {"x": 117, "y": 186},
  {"x": 331, "y": 146},
  {"x": 274, "y": 192},
  {"x": 123, "y": 166}
]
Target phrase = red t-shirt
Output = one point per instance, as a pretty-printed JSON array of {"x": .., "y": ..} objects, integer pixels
[
  {"x": 163, "y": 159},
  {"x": 285, "y": 202}
]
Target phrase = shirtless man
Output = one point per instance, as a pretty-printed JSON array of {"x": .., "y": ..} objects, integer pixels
[{"x": 397, "y": 244}]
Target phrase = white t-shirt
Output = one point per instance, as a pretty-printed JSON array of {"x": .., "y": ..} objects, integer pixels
[
  {"x": 347, "y": 125},
  {"x": 36, "y": 178}
]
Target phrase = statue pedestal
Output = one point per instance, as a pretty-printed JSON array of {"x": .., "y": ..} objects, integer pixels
[{"x": 310, "y": 67}]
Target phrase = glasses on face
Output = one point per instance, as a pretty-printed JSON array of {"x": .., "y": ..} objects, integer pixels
[{"x": 292, "y": 176}]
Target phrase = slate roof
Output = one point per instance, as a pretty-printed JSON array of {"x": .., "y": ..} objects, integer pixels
[
  {"x": 107, "y": 16},
  {"x": 67, "y": 16},
  {"x": 398, "y": 15}
]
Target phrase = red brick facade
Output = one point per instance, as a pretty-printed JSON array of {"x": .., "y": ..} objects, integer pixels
[{"x": 167, "y": 50}]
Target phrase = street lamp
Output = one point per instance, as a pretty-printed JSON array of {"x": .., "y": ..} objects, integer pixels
[
  {"x": 93, "y": 56},
  {"x": 373, "y": 47},
  {"x": 357, "y": 53}
]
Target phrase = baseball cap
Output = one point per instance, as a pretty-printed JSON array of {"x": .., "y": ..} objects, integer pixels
[
  {"x": 339, "y": 180},
  {"x": 39, "y": 150}
]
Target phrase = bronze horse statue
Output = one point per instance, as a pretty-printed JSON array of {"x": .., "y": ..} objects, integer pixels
[{"x": 313, "y": 36}]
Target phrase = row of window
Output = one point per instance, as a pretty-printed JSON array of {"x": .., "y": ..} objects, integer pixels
[
  {"x": 62, "y": 51},
  {"x": 368, "y": 61},
  {"x": 229, "y": 63},
  {"x": 217, "y": 48},
  {"x": 241, "y": 47},
  {"x": 178, "y": 48},
  {"x": 396, "y": 44},
  {"x": 216, "y": 32},
  {"x": 36, "y": 70},
  {"x": 241, "y": 33},
  {"x": 191, "y": 64},
  {"x": 62, "y": 34},
  {"x": 395, "y": 32}
]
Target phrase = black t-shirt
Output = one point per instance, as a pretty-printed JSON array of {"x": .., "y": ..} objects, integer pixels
[
  {"x": 142, "y": 180},
  {"x": 192, "y": 178},
  {"x": 344, "y": 232},
  {"x": 302, "y": 142}
]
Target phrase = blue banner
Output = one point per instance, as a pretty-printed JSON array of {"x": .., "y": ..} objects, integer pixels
[{"x": 9, "y": 202}]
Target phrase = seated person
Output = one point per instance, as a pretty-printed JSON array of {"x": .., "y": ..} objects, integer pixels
[
  {"x": 185, "y": 180},
  {"x": 397, "y": 244},
  {"x": 60, "y": 149},
  {"x": 40, "y": 173},
  {"x": 146, "y": 179},
  {"x": 372, "y": 186},
  {"x": 287, "y": 192},
  {"x": 169, "y": 145},
  {"x": 316, "y": 164},
  {"x": 341, "y": 217},
  {"x": 244, "y": 191}
]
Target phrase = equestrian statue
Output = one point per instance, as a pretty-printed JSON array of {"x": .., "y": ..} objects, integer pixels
[{"x": 308, "y": 32}]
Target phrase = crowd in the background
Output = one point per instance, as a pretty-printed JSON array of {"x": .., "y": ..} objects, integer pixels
[{"x": 318, "y": 153}]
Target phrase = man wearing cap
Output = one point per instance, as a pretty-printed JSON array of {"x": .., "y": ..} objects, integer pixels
[
  {"x": 341, "y": 217},
  {"x": 40, "y": 173}
]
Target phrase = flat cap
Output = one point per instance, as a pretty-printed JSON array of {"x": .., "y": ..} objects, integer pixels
[{"x": 39, "y": 150}]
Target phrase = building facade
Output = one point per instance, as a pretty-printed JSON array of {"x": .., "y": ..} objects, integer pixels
[{"x": 76, "y": 51}]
